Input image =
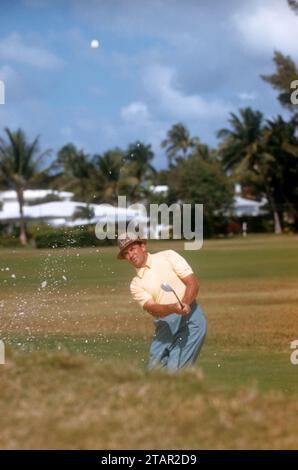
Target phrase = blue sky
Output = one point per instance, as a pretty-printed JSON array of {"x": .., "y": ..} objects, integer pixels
[{"x": 159, "y": 62}]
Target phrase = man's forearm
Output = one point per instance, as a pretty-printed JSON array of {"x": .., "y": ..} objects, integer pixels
[
  {"x": 158, "y": 310},
  {"x": 191, "y": 292}
]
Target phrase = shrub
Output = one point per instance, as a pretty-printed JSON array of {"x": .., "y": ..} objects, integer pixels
[
  {"x": 7, "y": 242},
  {"x": 62, "y": 237}
]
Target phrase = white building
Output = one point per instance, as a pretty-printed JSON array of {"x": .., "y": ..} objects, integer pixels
[
  {"x": 241, "y": 207},
  {"x": 58, "y": 213},
  {"x": 247, "y": 207},
  {"x": 63, "y": 212},
  {"x": 160, "y": 189}
]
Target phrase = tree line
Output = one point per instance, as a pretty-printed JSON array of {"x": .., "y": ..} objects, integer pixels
[{"x": 260, "y": 154}]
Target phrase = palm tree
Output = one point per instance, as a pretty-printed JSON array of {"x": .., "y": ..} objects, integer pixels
[
  {"x": 294, "y": 5},
  {"x": 138, "y": 173},
  {"x": 139, "y": 157},
  {"x": 286, "y": 72},
  {"x": 281, "y": 136},
  {"x": 20, "y": 167},
  {"x": 109, "y": 166},
  {"x": 206, "y": 153},
  {"x": 244, "y": 150},
  {"x": 178, "y": 139},
  {"x": 75, "y": 172},
  {"x": 282, "y": 143}
]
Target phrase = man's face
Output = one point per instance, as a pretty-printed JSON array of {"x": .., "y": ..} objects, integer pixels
[{"x": 136, "y": 254}]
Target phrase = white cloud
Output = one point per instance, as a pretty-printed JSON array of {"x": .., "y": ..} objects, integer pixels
[
  {"x": 268, "y": 27},
  {"x": 135, "y": 112},
  {"x": 247, "y": 96},
  {"x": 16, "y": 86},
  {"x": 7, "y": 73},
  {"x": 66, "y": 132},
  {"x": 32, "y": 115},
  {"x": 14, "y": 48},
  {"x": 159, "y": 82},
  {"x": 134, "y": 17}
]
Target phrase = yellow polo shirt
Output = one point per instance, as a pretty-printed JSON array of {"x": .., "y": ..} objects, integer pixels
[{"x": 164, "y": 266}]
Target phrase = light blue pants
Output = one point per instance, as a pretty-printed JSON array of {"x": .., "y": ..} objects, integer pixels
[{"x": 178, "y": 339}]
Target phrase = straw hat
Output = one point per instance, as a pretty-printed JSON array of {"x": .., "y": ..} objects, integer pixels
[{"x": 126, "y": 239}]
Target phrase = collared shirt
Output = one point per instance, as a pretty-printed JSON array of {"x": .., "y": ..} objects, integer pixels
[{"x": 165, "y": 266}]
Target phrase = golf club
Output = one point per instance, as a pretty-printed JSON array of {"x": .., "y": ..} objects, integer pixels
[{"x": 166, "y": 287}]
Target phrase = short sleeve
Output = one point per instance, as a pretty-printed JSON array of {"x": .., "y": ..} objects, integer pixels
[
  {"x": 138, "y": 293},
  {"x": 179, "y": 264}
]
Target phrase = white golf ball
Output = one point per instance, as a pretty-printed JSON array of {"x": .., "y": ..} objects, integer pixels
[{"x": 94, "y": 44}]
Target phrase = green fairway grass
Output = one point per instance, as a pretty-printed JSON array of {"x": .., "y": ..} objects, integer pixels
[
  {"x": 85, "y": 316},
  {"x": 257, "y": 257}
]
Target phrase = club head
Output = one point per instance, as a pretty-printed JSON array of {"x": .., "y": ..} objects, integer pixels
[{"x": 166, "y": 287}]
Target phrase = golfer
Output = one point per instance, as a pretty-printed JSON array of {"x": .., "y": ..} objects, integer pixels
[{"x": 179, "y": 332}]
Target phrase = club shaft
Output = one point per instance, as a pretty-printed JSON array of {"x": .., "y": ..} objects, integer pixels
[{"x": 181, "y": 305}]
